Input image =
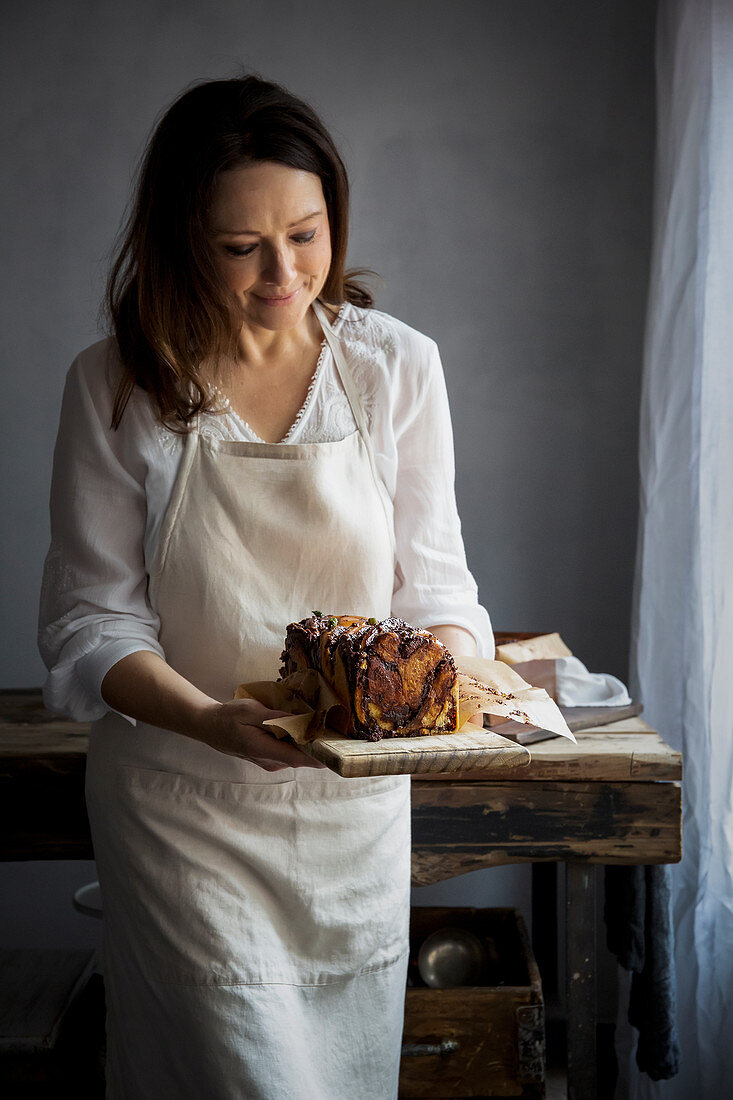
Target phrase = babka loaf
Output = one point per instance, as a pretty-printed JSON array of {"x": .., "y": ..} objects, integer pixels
[{"x": 394, "y": 680}]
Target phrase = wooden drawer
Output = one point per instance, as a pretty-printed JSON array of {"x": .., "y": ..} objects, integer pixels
[{"x": 492, "y": 1035}]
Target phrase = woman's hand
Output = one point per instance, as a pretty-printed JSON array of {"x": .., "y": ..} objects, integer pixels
[{"x": 236, "y": 728}]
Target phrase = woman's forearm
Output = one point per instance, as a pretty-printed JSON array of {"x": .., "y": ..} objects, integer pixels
[
  {"x": 144, "y": 687},
  {"x": 457, "y": 639}
]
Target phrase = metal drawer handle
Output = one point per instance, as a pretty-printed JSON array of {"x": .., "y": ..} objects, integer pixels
[{"x": 447, "y": 1046}]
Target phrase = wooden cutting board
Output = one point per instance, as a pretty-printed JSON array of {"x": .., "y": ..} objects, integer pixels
[
  {"x": 408, "y": 755},
  {"x": 583, "y": 718}
]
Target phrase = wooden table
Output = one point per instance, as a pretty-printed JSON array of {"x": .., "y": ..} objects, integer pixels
[{"x": 614, "y": 797}]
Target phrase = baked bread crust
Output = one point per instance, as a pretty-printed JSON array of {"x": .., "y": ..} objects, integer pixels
[{"x": 394, "y": 680}]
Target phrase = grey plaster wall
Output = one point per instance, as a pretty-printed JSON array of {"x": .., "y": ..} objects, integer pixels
[{"x": 501, "y": 156}]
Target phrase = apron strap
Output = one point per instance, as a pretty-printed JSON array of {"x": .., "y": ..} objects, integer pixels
[
  {"x": 347, "y": 380},
  {"x": 344, "y": 373}
]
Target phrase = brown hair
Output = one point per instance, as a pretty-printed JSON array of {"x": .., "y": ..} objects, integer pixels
[{"x": 168, "y": 310}]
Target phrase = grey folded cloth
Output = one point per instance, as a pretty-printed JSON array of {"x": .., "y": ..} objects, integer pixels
[{"x": 639, "y": 932}]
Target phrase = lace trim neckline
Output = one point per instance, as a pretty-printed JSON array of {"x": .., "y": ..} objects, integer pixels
[{"x": 242, "y": 423}]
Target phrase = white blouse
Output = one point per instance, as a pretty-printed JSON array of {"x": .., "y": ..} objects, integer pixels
[{"x": 111, "y": 489}]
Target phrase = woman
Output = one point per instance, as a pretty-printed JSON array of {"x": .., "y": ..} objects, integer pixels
[{"x": 254, "y": 441}]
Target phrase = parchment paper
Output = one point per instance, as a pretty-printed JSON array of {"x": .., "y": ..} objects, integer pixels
[
  {"x": 496, "y": 688},
  {"x": 487, "y": 687}
]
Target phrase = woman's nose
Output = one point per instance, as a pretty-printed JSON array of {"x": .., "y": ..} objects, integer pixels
[{"x": 279, "y": 268}]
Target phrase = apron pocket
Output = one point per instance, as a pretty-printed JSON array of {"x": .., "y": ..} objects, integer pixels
[
  {"x": 353, "y": 845},
  {"x": 208, "y": 866}
]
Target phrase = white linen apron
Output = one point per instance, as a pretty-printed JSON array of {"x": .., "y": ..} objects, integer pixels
[{"x": 256, "y": 923}]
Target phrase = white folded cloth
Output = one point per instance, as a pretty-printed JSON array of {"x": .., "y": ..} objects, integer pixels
[{"x": 575, "y": 686}]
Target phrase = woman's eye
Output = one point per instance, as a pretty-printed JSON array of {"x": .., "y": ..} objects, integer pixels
[
  {"x": 234, "y": 251},
  {"x": 247, "y": 250}
]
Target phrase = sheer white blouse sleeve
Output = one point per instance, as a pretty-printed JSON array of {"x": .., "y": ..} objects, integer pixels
[
  {"x": 433, "y": 583},
  {"x": 94, "y": 608}
]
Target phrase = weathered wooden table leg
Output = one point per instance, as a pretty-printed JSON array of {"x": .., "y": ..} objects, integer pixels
[{"x": 580, "y": 939}]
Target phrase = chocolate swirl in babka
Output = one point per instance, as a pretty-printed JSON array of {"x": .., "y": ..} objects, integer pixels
[{"x": 394, "y": 680}]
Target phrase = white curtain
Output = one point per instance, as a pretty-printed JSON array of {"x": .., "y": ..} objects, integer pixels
[{"x": 683, "y": 619}]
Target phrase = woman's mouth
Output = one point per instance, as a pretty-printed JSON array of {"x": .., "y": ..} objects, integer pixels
[{"x": 279, "y": 299}]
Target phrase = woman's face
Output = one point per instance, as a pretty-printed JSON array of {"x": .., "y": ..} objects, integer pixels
[{"x": 269, "y": 230}]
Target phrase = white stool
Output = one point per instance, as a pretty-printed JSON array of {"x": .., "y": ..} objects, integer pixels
[{"x": 88, "y": 900}]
